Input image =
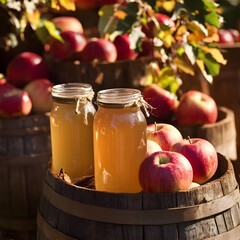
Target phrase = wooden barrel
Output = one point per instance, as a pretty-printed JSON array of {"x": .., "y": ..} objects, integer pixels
[
  {"x": 210, "y": 211},
  {"x": 127, "y": 73},
  {"x": 25, "y": 150},
  {"x": 221, "y": 134}
]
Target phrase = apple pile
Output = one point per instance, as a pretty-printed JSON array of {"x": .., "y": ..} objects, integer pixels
[
  {"x": 193, "y": 108},
  {"x": 173, "y": 163},
  {"x": 228, "y": 36},
  {"x": 26, "y": 87},
  {"x": 76, "y": 45}
]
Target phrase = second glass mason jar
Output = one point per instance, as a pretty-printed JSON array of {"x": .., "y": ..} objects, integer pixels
[
  {"x": 119, "y": 140},
  {"x": 71, "y": 122}
]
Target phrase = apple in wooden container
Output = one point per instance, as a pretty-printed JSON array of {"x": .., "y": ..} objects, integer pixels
[
  {"x": 123, "y": 46},
  {"x": 165, "y": 135},
  {"x": 73, "y": 43},
  {"x": 201, "y": 154},
  {"x": 152, "y": 147},
  {"x": 68, "y": 23},
  {"x": 98, "y": 49},
  {"x": 39, "y": 91},
  {"x": 162, "y": 102},
  {"x": 14, "y": 102},
  {"x": 165, "y": 171},
  {"x": 25, "y": 67},
  {"x": 196, "y": 108}
]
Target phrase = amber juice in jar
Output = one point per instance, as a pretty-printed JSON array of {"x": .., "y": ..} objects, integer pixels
[
  {"x": 119, "y": 140},
  {"x": 71, "y": 122}
]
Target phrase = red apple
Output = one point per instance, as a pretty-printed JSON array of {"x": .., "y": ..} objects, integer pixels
[
  {"x": 225, "y": 36},
  {"x": 163, "y": 103},
  {"x": 39, "y": 91},
  {"x": 165, "y": 171},
  {"x": 15, "y": 102},
  {"x": 25, "y": 67},
  {"x": 147, "y": 48},
  {"x": 86, "y": 4},
  {"x": 73, "y": 43},
  {"x": 201, "y": 154},
  {"x": 235, "y": 34},
  {"x": 99, "y": 49},
  {"x": 152, "y": 147},
  {"x": 123, "y": 46},
  {"x": 165, "y": 135},
  {"x": 5, "y": 86},
  {"x": 196, "y": 108},
  {"x": 150, "y": 28},
  {"x": 68, "y": 23}
]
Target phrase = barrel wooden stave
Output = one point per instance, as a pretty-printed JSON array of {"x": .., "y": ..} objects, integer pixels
[
  {"x": 221, "y": 134},
  {"x": 25, "y": 150},
  {"x": 222, "y": 185}
]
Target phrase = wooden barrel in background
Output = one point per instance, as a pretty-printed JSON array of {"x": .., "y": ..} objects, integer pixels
[
  {"x": 210, "y": 211},
  {"x": 25, "y": 150},
  {"x": 126, "y": 73},
  {"x": 226, "y": 91},
  {"x": 221, "y": 134}
]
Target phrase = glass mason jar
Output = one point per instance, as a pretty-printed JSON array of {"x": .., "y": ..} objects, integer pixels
[
  {"x": 119, "y": 136},
  {"x": 71, "y": 122}
]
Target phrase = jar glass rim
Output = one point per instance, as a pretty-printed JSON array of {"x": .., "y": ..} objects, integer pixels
[
  {"x": 71, "y": 90},
  {"x": 119, "y": 96}
]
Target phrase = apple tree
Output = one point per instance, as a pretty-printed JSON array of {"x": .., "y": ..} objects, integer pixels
[{"x": 186, "y": 43}]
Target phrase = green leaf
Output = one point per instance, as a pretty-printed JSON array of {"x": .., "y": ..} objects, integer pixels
[
  {"x": 45, "y": 29},
  {"x": 213, "y": 19},
  {"x": 213, "y": 67},
  {"x": 107, "y": 22}
]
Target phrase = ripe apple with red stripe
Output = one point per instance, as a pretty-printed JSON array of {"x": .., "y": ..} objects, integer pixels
[
  {"x": 201, "y": 154},
  {"x": 165, "y": 171}
]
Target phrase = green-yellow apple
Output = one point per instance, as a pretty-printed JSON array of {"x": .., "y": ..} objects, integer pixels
[
  {"x": 68, "y": 23},
  {"x": 165, "y": 171},
  {"x": 163, "y": 103},
  {"x": 152, "y": 147},
  {"x": 39, "y": 91},
  {"x": 99, "y": 49},
  {"x": 193, "y": 185},
  {"x": 196, "y": 108},
  {"x": 25, "y": 67},
  {"x": 73, "y": 43},
  {"x": 14, "y": 103},
  {"x": 201, "y": 154},
  {"x": 165, "y": 135}
]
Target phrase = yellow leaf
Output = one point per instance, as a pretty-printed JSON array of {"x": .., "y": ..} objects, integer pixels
[
  {"x": 184, "y": 66},
  {"x": 200, "y": 64},
  {"x": 68, "y": 4},
  {"x": 34, "y": 17},
  {"x": 215, "y": 53},
  {"x": 120, "y": 14}
]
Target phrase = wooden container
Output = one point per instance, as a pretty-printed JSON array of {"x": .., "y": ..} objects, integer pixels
[
  {"x": 126, "y": 73},
  {"x": 25, "y": 151},
  {"x": 221, "y": 134},
  {"x": 210, "y": 211}
]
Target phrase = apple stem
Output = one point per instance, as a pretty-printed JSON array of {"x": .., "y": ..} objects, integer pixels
[
  {"x": 155, "y": 128},
  {"x": 189, "y": 139}
]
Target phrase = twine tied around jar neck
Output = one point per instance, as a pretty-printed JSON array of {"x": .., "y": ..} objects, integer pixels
[{"x": 79, "y": 105}]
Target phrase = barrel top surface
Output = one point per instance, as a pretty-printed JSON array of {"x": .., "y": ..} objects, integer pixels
[{"x": 224, "y": 175}]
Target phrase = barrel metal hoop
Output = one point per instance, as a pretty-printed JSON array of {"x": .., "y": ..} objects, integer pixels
[{"x": 140, "y": 217}]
